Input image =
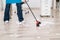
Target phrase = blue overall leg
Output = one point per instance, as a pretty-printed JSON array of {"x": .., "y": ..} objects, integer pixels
[
  {"x": 7, "y": 12},
  {"x": 19, "y": 12}
]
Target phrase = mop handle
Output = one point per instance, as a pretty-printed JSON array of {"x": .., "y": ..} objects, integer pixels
[{"x": 31, "y": 11}]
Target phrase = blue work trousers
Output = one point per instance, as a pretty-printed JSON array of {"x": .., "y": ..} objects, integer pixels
[{"x": 19, "y": 12}]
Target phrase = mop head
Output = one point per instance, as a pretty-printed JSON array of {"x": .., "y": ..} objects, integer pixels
[{"x": 37, "y": 23}]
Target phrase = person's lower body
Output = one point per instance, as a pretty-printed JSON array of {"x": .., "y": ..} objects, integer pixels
[{"x": 19, "y": 12}]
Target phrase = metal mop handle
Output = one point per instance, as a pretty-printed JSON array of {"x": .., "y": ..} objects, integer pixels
[{"x": 31, "y": 11}]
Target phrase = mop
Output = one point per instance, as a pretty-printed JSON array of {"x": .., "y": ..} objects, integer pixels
[{"x": 37, "y": 22}]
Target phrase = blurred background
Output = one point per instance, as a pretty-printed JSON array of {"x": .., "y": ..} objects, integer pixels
[{"x": 46, "y": 11}]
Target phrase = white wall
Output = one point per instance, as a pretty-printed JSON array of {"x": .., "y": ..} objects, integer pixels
[
  {"x": 1, "y": 5},
  {"x": 33, "y": 4}
]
